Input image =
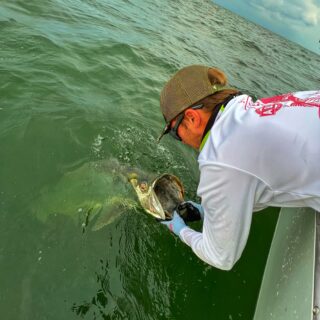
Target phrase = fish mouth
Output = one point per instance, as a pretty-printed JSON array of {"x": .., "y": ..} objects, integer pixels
[{"x": 168, "y": 193}]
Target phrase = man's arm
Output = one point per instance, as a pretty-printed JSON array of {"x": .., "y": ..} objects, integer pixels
[{"x": 228, "y": 197}]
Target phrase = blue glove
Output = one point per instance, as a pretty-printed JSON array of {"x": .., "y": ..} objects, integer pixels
[
  {"x": 176, "y": 224},
  {"x": 199, "y": 207}
]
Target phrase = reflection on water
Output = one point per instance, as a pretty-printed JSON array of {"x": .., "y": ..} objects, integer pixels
[{"x": 131, "y": 281}]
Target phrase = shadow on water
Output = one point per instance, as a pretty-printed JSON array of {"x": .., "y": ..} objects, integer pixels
[
  {"x": 149, "y": 274},
  {"x": 131, "y": 281}
]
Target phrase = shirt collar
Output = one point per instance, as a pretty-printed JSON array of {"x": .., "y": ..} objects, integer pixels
[{"x": 218, "y": 108}]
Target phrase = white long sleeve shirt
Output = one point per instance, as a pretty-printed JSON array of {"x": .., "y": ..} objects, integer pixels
[{"x": 258, "y": 154}]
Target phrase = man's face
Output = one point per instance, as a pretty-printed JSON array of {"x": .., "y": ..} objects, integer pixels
[{"x": 191, "y": 126}]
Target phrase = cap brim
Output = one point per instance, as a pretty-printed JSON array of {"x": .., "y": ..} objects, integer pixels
[{"x": 165, "y": 130}]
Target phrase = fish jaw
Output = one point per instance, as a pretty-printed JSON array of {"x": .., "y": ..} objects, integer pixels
[
  {"x": 150, "y": 203},
  {"x": 157, "y": 215}
]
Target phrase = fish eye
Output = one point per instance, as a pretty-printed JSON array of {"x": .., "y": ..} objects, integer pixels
[{"x": 143, "y": 186}]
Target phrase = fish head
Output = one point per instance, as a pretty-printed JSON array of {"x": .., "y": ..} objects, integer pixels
[
  {"x": 169, "y": 192},
  {"x": 161, "y": 197}
]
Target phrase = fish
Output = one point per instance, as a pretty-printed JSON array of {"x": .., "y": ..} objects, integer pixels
[
  {"x": 95, "y": 194},
  {"x": 161, "y": 197},
  {"x": 97, "y": 189}
]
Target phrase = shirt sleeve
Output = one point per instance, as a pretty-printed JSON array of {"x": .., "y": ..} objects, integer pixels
[{"x": 228, "y": 196}]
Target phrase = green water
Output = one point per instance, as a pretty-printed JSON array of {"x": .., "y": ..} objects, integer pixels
[{"x": 80, "y": 82}]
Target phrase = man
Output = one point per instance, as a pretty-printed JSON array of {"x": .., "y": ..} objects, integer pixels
[{"x": 252, "y": 155}]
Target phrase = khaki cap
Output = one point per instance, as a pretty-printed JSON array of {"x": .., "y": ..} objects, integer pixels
[{"x": 188, "y": 86}]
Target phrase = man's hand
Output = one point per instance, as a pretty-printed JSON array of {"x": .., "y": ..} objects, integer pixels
[
  {"x": 190, "y": 211},
  {"x": 199, "y": 207},
  {"x": 176, "y": 224}
]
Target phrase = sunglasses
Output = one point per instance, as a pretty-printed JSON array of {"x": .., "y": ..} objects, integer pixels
[{"x": 174, "y": 130}]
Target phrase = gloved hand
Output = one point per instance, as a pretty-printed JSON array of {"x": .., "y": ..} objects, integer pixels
[
  {"x": 176, "y": 224},
  {"x": 199, "y": 207}
]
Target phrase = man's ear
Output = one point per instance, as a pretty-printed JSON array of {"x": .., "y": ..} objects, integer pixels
[{"x": 193, "y": 117}]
